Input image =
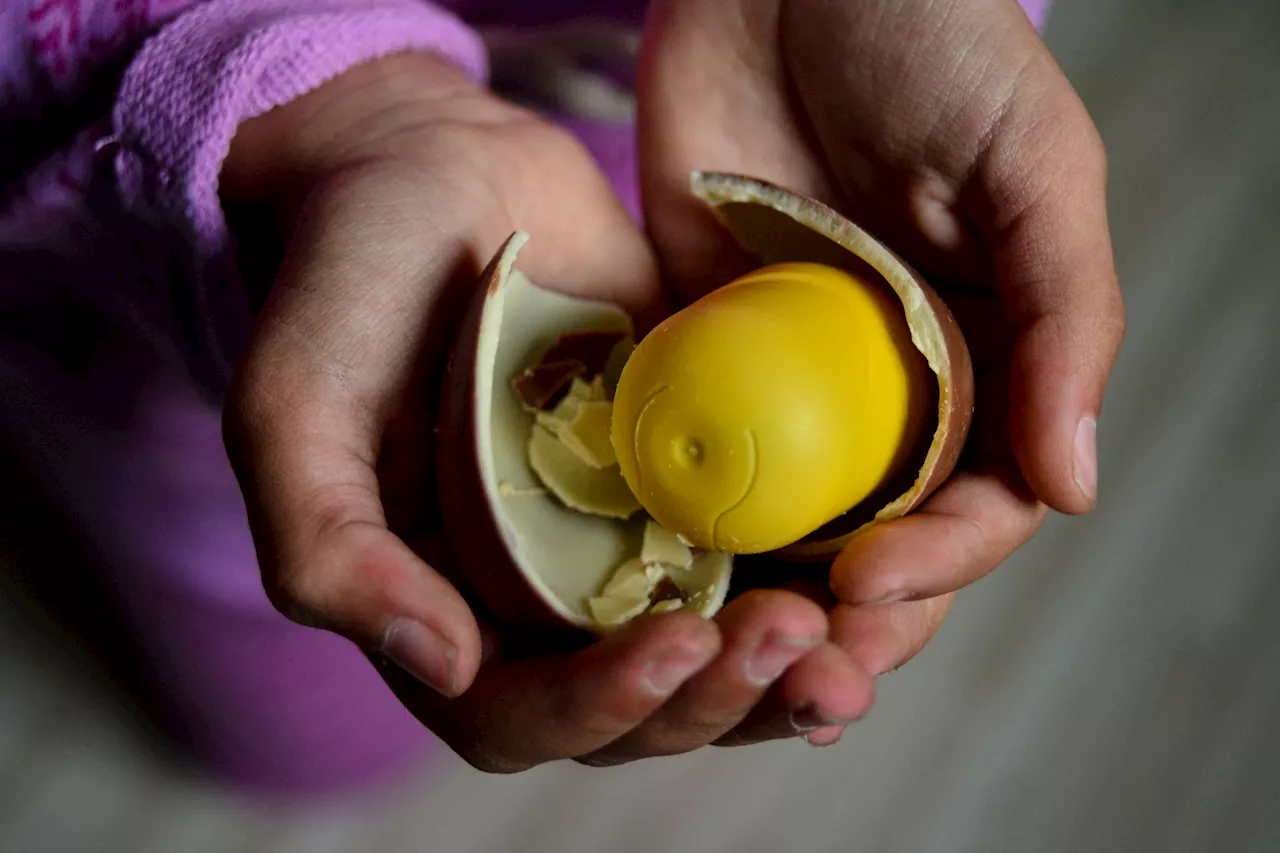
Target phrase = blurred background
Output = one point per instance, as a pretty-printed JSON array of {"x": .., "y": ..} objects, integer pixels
[{"x": 1114, "y": 687}]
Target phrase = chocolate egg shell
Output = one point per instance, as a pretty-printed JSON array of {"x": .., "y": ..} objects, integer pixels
[
  {"x": 531, "y": 560},
  {"x": 778, "y": 226}
]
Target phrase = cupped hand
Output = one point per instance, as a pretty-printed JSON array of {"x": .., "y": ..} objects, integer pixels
[
  {"x": 945, "y": 128},
  {"x": 395, "y": 183}
]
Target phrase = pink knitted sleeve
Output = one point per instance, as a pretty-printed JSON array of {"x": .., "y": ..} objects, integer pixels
[
  {"x": 223, "y": 62},
  {"x": 218, "y": 64}
]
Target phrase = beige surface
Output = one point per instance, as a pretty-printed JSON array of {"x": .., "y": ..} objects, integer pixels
[{"x": 1116, "y": 687}]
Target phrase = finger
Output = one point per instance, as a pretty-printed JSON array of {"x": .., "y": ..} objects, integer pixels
[
  {"x": 826, "y": 688},
  {"x": 772, "y": 720},
  {"x": 1042, "y": 181},
  {"x": 519, "y": 714},
  {"x": 1056, "y": 269},
  {"x": 763, "y": 632},
  {"x": 967, "y": 528},
  {"x": 303, "y": 423},
  {"x": 959, "y": 535},
  {"x": 883, "y": 637}
]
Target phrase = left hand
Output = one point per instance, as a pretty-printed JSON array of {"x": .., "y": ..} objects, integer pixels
[{"x": 945, "y": 128}]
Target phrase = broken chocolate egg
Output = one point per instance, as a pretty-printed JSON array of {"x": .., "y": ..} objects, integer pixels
[
  {"x": 543, "y": 527},
  {"x": 551, "y": 525}
]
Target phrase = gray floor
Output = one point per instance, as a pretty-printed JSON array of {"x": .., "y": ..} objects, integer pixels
[{"x": 1116, "y": 687}]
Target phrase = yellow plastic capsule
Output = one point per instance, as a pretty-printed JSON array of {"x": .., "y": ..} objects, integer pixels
[{"x": 769, "y": 407}]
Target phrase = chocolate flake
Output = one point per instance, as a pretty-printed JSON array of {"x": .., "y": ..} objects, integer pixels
[
  {"x": 544, "y": 385},
  {"x": 666, "y": 590},
  {"x": 667, "y": 606}
]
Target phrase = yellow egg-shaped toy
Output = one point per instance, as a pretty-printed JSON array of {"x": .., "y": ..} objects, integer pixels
[{"x": 769, "y": 407}]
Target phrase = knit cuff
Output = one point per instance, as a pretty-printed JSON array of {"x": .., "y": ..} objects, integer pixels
[
  {"x": 217, "y": 65},
  {"x": 226, "y": 61}
]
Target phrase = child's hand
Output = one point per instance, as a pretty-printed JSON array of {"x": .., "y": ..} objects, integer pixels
[
  {"x": 396, "y": 182},
  {"x": 947, "y": 130}
]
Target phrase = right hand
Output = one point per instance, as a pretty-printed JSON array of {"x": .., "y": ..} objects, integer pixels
[
  {"x": 947, "y": 130},
  {"x": 395, "y": 182}
]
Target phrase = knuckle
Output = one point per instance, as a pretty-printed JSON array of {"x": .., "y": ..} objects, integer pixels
[
  {"x": 702, "y": 730},
  {"x": 595, "y": 714},
  {"x": 853, "y": 586},
  {"x": 310, "y": 578},
  {"x": 686, "y": 730},
  {"x": 925, "y": 619},
  {"x": 298, "y": 596},
  {"x": 594, "y": 720}
]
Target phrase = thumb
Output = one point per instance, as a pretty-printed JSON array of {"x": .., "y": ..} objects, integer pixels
[
  {"x": 336, "y": 349},
  {"x": 1044, "y": 179}
]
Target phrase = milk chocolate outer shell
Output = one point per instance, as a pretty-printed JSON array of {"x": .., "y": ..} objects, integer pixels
[
  {"x": 475, "y": 537},
  {"x": 776, "y": 226}
]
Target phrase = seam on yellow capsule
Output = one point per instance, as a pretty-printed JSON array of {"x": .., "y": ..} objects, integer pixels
[
  {"x": 635, "y": 438},
  {"x": 754, "y": 463}
]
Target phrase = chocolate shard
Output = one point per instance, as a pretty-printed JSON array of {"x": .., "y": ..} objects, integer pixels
[
  {"x": 592, "y": 349},
  {"x": 666, "y": 590},
  {"x": 545, "y": 384}
]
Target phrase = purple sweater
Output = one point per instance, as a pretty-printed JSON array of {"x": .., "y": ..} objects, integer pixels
[{"x": 122, "y": 307}]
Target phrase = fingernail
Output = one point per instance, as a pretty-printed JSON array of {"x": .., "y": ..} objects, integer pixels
[
  {"x": 811, "y": 718},
  {"x": 823, "y": 738},
  {"x": 774, "y": 654},
  {"x": 665, "y": 673},
  {"x": 1086, "y": 457},
  {"x": 423, "y": 653}
]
